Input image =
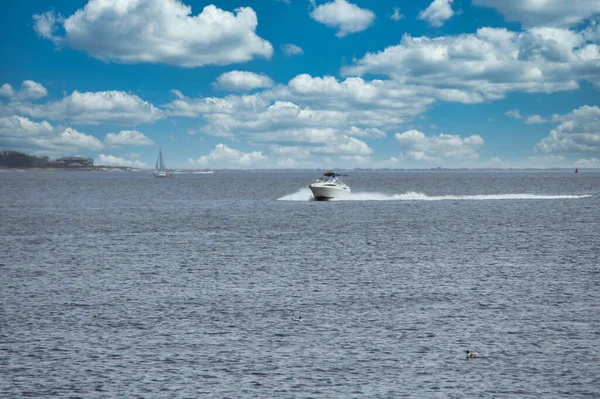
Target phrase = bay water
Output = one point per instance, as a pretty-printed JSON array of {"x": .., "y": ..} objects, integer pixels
[{"x": 119, "y": 285}]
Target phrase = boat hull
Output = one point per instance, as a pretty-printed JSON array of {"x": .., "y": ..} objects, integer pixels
[
  {"x": 162, "y": 175},
  {"x": 321, "y": 193}
]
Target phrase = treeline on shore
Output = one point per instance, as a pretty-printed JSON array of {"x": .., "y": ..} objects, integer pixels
[{"x": 15, "y": 159}]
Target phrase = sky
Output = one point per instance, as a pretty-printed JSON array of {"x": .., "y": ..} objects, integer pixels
[{"x": 278, "y": 84}]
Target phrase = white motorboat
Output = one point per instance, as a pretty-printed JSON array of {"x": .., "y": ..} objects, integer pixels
[
  {"x": 330, "y": 187},
  {"x": 160, "y": 170}
]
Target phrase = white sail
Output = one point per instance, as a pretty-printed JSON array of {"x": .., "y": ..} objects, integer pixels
[
  {"x": 161, "y": 162},
  {"x": 160, "y": 169}
]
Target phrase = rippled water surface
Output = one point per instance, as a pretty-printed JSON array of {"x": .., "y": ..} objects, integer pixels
[{"x": 119, "y": 285}]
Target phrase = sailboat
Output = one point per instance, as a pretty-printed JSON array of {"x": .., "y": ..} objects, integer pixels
[{"x": 160, "y": 169}]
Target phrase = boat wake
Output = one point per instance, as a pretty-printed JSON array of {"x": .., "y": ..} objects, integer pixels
[{"x": 305, "y": 195}]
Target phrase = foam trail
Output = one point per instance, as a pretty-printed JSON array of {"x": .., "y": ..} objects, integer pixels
[{"x": 305, "y": 195}]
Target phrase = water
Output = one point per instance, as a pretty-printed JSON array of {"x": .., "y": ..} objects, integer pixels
[{"x": 121, "y": 285}]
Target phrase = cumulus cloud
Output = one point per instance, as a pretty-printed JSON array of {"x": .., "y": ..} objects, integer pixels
[
  {"x": 514, "y": 113},
  {"x": 363, "y": 100},
  {"x": 30, "y": 90},
  {"x": 127, "y": 137},
  {"x": 23, "y": 133},
  {"x": 91, "y": 108},
  {"x": 421, "y": 148},
  {"x": 396, "y": 16},
  {"x": 346, "y": 145},
  {"x": 321, "y": 115},
  {"x": 557, "y": 13},
  {"x": 336, "y": 112},
  {"x": 438, "y": 12},
  {"x": 45, "y": 24},
  {"x": 535, "y": 119},
  {"x": 290, "y": 151},
  {"x": 371, "y": 132},
  {"x": 484, "y": 66},
  {"x": 545, "y": 161},
  {"x": 578, "y": 132},
  {"x": 530, "y": 120},
  {"x": 344, "y": 16},
  {"x": 17, "y": 126},
  {"x": 223, "y": 156},
  {"x": 158, "y": 31},
  {"x": 111, "y": 160},
  {"x": 6, "y": 90},
  {"x": 589, "y": 162},
  {"x": 291, "y": 49},
  {"x": 72, "y": 138},
  {"x": 242, "y": 81}
]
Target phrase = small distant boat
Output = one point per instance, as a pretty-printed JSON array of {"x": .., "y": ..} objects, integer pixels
[
  {"x": 160, "y": 169},
  {"x": 330, "y": 187}
]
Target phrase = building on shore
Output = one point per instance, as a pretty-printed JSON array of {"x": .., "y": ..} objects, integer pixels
[{"x": 72, "y": 162}]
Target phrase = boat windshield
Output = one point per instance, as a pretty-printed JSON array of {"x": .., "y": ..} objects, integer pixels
[{"x": 330, "y": 179}]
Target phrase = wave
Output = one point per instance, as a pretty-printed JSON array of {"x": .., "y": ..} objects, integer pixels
[{"x": 305, "y": 195}]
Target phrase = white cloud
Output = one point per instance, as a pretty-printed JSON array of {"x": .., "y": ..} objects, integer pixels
[
  {"x": 224, "y": 157},
  {"x": 91, "y": 108},
  {"x": 558, "y": 13},
  {"x": 360, "y": 99},
  {"x": 319, "y": 136},
  {"x": 29, "y": 90},
  {"x": 346, "y": 145},
  {"x": 127, "y": 137},
  {"x": 590, "y": 162},
  {"x": 45, "y": 24},
  {"x": 158, "y": 31},
  {"x": 371, "y": 132},
  {"x": 514, "y": 113},
  {"x": 530, "y": 120},
  {"x": 17, "y": 126},
  {"x": 422, "y": 148},
  {"x": 578, "y": 132},
  {"x": 111, "y": 160},
  {"x": 23, "y": 133},
  {"x": 438, "y": 12},
  {"x": 486, "y": 65},
  {"x": 72, "y": 138},
  {"x": 291, "y": 49},
  {"x": 341, "y": 113},
  {"x": 535, "y": 119},
  {"x": 396, "y": 16},
  {"x": 289, "y": 152},
  {"x": 336, "y": 112},
  {"x": 242, "y": 81},
  {"x": 356, "y": 160},
  {"x": 545, "y": 161},
  {"x": 6, "y": 90},
  {"x": 344, "y": 16}
]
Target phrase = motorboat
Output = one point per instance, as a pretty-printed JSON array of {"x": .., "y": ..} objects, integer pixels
[{"x": 330, "y": 187}]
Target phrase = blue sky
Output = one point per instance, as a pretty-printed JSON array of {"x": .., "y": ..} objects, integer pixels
[{"x": 304, "y": 83}]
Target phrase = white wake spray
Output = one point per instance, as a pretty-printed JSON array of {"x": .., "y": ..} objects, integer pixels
[{"x": 305, "y": 195}]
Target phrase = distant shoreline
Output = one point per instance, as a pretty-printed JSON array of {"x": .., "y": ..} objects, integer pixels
[{"x": 130, "y": 169}]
